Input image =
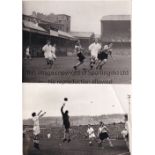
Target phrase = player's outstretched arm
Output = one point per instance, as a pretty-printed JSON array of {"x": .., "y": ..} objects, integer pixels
[
  {"x": 42, "y": 114},
  {"x": 62, "y": 109},
  {"x": 98, "y": 133},
  {"x": 39, "y": 112}
]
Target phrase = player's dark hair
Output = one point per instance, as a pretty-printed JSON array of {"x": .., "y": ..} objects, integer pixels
[
  {"x": 48, "y": 41},
  {"x": 78, "y": 43},
  {"x": 110, "y": 43},
  {"x": 33, "y": 114},
  {"x": 101, "y": 122},
  {"x": 126, "y": 117}
]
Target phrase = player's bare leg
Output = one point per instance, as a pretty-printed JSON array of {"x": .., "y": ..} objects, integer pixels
[
  {"x": 100, "y": 143},
  {"x": 110, "y": 143},
  {"x": 68, "y": 139},
  {"x": 29, "y": 57},
  {"x": 92, "y": 62},
  {"x": 126, "y": 141},
  {"x": 36, "y": 142},
  {"x": 102, "y": 63},
  {"x": 77, "y": 65},
  {"x": 68, "y": 135},
  {"x": 98, "y": 63},
  {"x": 51, "y": 63},
  {"x": 47, "y": 61},
  {"x": 65, "y": 136},
  {"x": 90, "y": 142}
]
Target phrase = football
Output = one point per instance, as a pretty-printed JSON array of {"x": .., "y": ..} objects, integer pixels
[{"x": 65, "y": 99}]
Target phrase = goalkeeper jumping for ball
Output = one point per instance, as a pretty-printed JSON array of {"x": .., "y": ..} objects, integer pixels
[{"x": 66, "y": 123}]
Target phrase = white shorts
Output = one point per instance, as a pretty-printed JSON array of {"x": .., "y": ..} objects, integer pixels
[
  {"x": 93, "y": 59},
  {"x": 105, "y": 60},
  {"x": 27, "y": 54},
  {"x": 92, "y": 136},
  {"x": 36, "y": 130},
  {"x": 47, "y": 55},
  {"x": 94, "y": 54},
  {"x": 50, "y": 56},
  {"x": 124, "y": 133}
]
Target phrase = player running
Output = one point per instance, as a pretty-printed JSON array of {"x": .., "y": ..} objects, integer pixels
[
  {"x": 66, "y": 123},
  {"x": 81, "y": 57},
  {"x": 49, "y": 53},
  {"x": 125, "y": 131},
  {"x": 103, "y": 55},
  {"x": 91, "y": 134},
  {"x": 36, "y": 128},
  {"x": 94, "y": 50},
  {"x": 103, "y": 134}
]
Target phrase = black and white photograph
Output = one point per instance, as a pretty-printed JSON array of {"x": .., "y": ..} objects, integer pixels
[
  {"x": 76, "y": 41},
  {"x": 76, "y": 80},
  {"x": 84, "y": 120}
]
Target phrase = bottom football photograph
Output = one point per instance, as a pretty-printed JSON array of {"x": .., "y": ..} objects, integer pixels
[{"x": 69, "y": 119}]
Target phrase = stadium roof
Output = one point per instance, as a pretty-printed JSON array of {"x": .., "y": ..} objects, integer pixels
[
  {"x": 81, "y": 34},
  {"x": 65, "y": 35},
  {"x": 116, "y": 17},
  {"x": 62, "y": 15},
  {"x": 41, "y": 21},
  {"x": 32, "y": 25},
  {"x": 54, "y": 33}
]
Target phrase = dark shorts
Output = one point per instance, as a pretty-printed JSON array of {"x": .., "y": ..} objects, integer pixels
[
  {"x": 81, "y": 57},
  {"x": 127, "y": 136},
  {"x": 102, "y": 56},
  {"x": 103, "y": 136}
]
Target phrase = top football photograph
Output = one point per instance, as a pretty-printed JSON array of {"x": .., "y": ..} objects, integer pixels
[{"x": 76, "y": 42}]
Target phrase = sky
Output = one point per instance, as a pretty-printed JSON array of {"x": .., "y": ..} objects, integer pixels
[
  {"x": 85, "y": 15},
  {"x": 83, "y": 99}
]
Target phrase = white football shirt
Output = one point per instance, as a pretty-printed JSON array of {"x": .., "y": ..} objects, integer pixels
[
  {"x": 94, "y": 49},
  {"x": 90, "y": 132},
  {"x": 36, "y": 120}
]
